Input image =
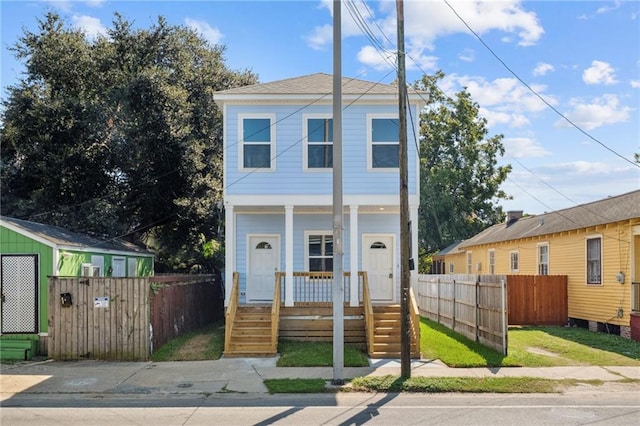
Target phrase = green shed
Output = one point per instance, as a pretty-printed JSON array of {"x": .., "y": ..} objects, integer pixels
[{"x": 31, "y": 252}]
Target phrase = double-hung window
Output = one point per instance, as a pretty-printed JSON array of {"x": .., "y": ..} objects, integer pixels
[
  {"x": 320, "y": 251},
  {"x": 383, "y": 145},
  {"x": 543, "y": 259},
  {"x": 319, "y": 142},
  {"x": 257, "y": 141},
  {"x": 594, "y": 260},
  {"x": 514, "y": 261},
  {"x": 492, "y": 261},
  {"x": 469, "y": 262}
]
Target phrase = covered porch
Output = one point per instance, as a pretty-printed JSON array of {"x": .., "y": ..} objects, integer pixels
[{"x": 302, "y": 309}]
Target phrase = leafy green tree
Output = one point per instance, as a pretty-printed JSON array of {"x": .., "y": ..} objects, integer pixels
[
  {"x": 119, "y": 136},
  {"x": 460, "y": 177}
]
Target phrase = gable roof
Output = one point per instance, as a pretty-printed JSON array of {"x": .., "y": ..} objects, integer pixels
[
  {"x": 608, "y": 210},
  {"x": 59, "y": 237},
  {"x": 311, "y": 85}
]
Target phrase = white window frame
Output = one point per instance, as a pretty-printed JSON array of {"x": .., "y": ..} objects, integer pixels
[
  {"x": 370, "y": 118},
  {"x": 308, "y": 234},
  {"x": 491, "y": 261},
  {"x": 516, "y": 254},
  {"x": 586, "y": 257},
  {"x": 306, "y": 143},
  {"x": 132, "y": 267},
  {"x": 272, "y": 143},
  {"x": 539, "y": 260},
  {"x": 469, "y": 258},
  {"x": 451, "y": 267}
]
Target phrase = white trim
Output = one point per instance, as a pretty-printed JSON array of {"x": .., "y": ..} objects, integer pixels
[
  {"x": 370, "y": 118},
  {"x": 354, "y": 255},
  {"x": 319, "y": 200},
  {"x": 586, "y": 259},
  {"x": 28, "y": 234},
  {"x": 288, "y": 254},
  {"x": 305, "y": 142},
  {"x": 272, "y": 143},
  {"x": 517, "y": 253},
  {"x": 538, "y": 245},
  {"x": 229, "y": 251},
  {"x": 308, "y": 233},
  {"x": 491, "y": 266},
  {"x": 120, "y": 258}
]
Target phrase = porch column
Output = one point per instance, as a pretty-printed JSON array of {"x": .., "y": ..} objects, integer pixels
[
  {"x": 413, "y": 216},
  {"x": 229, "y": 251},
  {"x": 354, "y": 255},
  {"x": 288, "y": 253}
]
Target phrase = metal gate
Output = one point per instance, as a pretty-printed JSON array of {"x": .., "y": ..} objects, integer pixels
[{"x": 19, "y": 284}]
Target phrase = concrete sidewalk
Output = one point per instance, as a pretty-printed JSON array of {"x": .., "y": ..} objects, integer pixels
[{"x": 242, "y": 375}]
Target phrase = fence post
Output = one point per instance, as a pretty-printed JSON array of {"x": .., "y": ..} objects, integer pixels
[
  {"x": 453, "y": 313},
  {"x": 504, "y": 317},
  {"x": 438, "y": 299},
  {"x": 477, "y": 311}
]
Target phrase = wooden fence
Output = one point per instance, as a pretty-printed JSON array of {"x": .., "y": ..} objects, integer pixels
[
  {"x": 472, "y": 305},
  {"x": 538, "y": 299},
  {"x": 183, "y": 304},
  {"x": 110, "y": 318}
]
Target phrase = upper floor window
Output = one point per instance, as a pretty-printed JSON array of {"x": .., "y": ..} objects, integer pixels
[
  {"x": 383, "y": 145},
  {"x": 594, "y": 260},
  {"x": 257, "y": 144},
  {"x": 469, "y": 262},
  {"x": 514, "y": 261},
  {"x": 543, "y": 259},
  {"x": 319, "y": 142}
]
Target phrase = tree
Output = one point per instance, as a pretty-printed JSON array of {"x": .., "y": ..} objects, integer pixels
[
  {"x": 460, "y": 179},
  {"x": 119, "y": 136}
]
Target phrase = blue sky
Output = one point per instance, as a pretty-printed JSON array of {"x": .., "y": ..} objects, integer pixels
[{"x": 581, "y": 57}]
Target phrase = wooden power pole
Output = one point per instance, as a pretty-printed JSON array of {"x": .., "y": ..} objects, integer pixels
[{"x": 405, "y": 273}]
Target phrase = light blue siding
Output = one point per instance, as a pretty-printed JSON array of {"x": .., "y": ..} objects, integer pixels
[
  {"x": 248, "y": 224},
  {"x": 289, "y": 178}
]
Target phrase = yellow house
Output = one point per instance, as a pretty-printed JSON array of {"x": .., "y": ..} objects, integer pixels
[{"x": 597, "y": 245}]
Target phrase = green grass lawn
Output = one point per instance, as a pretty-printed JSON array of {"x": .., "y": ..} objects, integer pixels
[
  {"x": 317, "y": 354},
  {"x": 529, "y": 347}
]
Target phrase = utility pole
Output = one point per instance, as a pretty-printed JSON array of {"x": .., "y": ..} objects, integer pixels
[
  {"x": 405, "y": 273},
  {"x": 338, "y": 253}
]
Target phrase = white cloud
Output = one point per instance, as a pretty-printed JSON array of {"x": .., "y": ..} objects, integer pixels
[
  {"x": 91, "y": 26},
  {"x": 373, "y": 58},
  {"x": 602, "y": 111},
  {"x": 524, "y": 148},
  {"x": 542, "y": 69},
  {"x": 635, "y": 84},
  {"x": 599, "y": 73},
  {"x": 507, "y": 16},
  {"x": 211, "y": 34},
  {"x": 467, "y": 55}
]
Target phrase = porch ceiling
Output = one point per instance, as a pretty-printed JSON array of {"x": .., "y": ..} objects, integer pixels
[{"x": 316, "y": 209}]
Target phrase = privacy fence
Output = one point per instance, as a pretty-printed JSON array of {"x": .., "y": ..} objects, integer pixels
[
  {"x": 472, "y": 305},
  {"x": 126, "y": 319}
]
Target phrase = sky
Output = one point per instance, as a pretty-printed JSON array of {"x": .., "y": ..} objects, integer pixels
[{"x": 560, "y": 80}]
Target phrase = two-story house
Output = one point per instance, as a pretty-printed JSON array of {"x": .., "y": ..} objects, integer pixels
[{"x": 278, "y": 141}]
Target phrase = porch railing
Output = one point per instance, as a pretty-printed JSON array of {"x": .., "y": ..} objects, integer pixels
[
  {"x": 316, "y": 287},
  {"x": 275, "y": 317},
  {"x": 368, "y": 313},
  {"x": 231, "y": 311}
]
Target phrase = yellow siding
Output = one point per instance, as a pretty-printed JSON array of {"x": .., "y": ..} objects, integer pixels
[{"x": 567, "y": 256}]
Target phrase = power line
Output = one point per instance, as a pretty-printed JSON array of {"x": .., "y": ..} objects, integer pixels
[{"x": 554, "y": 109}]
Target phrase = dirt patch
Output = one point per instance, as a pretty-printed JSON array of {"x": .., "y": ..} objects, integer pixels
[
  {"x": 540, "y": 351},
  {"x": 194, "y": 349}
]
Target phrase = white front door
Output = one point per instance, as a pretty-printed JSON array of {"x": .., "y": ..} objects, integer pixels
[
  {"x": 264, "y": 259},
  {"x": 377, "y": 260}
]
